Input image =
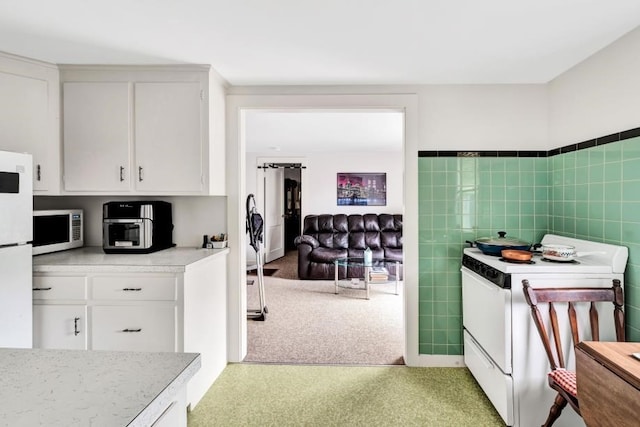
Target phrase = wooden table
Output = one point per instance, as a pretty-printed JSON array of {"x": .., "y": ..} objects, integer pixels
[{"x": 608, "y": 380}]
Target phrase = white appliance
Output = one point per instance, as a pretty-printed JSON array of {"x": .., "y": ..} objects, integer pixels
[
  {"x": 502, "y": 348},
  {"x": 57, "y": 230},
  {"x": 16, "y": 208}
]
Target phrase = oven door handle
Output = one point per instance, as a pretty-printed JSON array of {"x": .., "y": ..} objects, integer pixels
[{"x": 481, "y": 280}]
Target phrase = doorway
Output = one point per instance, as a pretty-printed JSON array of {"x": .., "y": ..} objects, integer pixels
[
  {"x": 279, "y": 186},
  {"x": 293, "y": 206},
  {"x": 238, "y": 104},
  {"x": 279, "y": 182}
]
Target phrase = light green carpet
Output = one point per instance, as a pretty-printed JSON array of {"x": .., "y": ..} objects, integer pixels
[{"x": 296, "y": 395}]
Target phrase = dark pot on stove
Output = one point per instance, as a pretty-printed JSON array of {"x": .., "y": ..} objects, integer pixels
[{"x": 495, "y": 245}]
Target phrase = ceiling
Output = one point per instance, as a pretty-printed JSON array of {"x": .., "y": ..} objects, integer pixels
[
  {"x": 328, "y": 42},
  {"x": 286, "y": 42}
]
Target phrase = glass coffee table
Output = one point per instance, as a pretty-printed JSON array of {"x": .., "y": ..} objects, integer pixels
[{"x": 378, "y": 271}]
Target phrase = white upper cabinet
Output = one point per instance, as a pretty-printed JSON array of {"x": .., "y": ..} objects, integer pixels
[
  {"x": 169, "y": 137},
  {"x": 142, "y": 130},
  {"x": 29, "y": 117},
  {"x": 96, "y": 136}
]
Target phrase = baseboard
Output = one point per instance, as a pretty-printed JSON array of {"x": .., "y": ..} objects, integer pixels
[{"x": 436, "y": 361}]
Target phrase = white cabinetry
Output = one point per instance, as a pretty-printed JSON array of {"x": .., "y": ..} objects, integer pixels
[
  {"x": 134, "y": 328},
  {"x": 60, "y": 312},
  {"x": 168, "y": 136},
  {"x": 60, "y": 326},
  {"x": 175, "y": 414},
  {"x": 134, "y": 312},
  {"x": 29, "y": 117},
  {"x": 142, "y": 130},
  {"x": 96, "y": 136},
  {"x": 138, "y": 311}
]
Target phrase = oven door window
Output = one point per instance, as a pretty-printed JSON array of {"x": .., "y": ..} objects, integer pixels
[{"x": 124, "y": 235}]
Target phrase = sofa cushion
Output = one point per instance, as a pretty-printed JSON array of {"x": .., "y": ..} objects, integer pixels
[
  {"x": 386, "y": 222},
  {"x": 371, "y": 222},
  {"x": 356, "y": 223},
  {"x": 394, "y": 254},
  {"x": 372, "y": 240},
  {"x": 391, "y": 239},
  {"x": 356, "y": 240}
]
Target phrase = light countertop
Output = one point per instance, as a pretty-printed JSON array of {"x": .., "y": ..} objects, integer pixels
[
  {"x": 93, "y": 259},
  {"x": 82, "y": 388}
]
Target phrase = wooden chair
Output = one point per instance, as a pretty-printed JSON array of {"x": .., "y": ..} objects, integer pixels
[{"x": 561, "y": 379}]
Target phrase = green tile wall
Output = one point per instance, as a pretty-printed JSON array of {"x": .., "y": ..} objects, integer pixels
[
  {"x": 596, "y": 196},
  {"x": 591, "y": 194},
  {"x": 463, "y": 198}
]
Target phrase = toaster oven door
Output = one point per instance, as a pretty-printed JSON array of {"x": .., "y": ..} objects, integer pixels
[{"x": 126, "y": 233}]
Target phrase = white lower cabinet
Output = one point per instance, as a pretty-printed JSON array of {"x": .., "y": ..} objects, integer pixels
[
  {"x": 60, "y": 326},
  {"x": 129, "y": 312},
  {"x": 134, "y": 328},
  {"x": 138, "y": 311},
  {"x": 175, "y": 413}
]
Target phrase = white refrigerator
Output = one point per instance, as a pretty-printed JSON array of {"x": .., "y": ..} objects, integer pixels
[{"x": 16, "y": 234}]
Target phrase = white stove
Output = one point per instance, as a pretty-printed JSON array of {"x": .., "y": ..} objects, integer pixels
[{"x": 502, "y": 347}]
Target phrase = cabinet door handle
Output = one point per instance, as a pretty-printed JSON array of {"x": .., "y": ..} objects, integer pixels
[
  {"x": 41, "y": 289},
  {"x": 121, "y": 173},
  {"x": 140, "y": 178},
  {"x": 75, "y": 326},
  {"x": 38, "y": 174},
  {"x": 132, "y": 330},
  {"x": 132, "y": 289}
]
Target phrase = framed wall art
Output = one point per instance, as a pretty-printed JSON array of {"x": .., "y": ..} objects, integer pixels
[{"x": 362, "y": 189}]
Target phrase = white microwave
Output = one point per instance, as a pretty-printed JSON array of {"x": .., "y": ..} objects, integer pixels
[{"x": 57, "y": 230}]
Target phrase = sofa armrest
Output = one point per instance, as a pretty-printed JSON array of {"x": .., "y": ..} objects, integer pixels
[
  {"x": 304, "y": 251},
  {"x": 309, "y": 240}
]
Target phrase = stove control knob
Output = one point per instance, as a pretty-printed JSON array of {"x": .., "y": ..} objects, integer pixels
[{"x": 492, "y": 273}]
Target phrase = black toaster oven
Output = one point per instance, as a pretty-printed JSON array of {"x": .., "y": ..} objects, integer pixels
[{"x": 136, "y": 227}]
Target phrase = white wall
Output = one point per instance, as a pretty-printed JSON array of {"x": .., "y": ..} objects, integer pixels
[
  {"x": 192, "y": 216},
  {"x": 319, "y": 179},
  {"x": 321, "y": 175},
  {"x": 457, "y": 117},
  {"x": 483, "y": 117},
  {"x": 599, "y": 96}
]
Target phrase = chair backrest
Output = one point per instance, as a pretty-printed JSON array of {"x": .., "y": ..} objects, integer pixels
[{"x": 572, "y": 296}]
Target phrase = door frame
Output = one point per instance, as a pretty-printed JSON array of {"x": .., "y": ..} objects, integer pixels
[
  {"x": 236, "y": 106},
  {"x": 260, "y": 160}
]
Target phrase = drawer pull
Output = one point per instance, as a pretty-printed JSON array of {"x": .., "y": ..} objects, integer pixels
[
  {"x": 41, "y": 289},
  {"x": 132, "y": 289},
  {"x": 132, "y": 330},
  {"x": 75, "y": 326}
]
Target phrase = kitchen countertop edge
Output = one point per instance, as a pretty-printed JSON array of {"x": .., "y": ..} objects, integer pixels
[
  {"x": 163, "y": 400},
  {"x": 94, "y": 387},
  {"x": 93, "y": 259}
]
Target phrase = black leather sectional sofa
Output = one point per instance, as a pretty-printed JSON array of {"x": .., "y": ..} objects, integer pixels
[{"x": 326, "y": 238}]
